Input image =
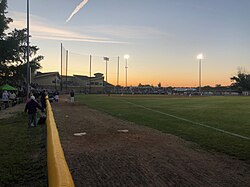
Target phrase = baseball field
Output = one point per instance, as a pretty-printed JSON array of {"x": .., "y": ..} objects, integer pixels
[{"x": 218, "y": 123}]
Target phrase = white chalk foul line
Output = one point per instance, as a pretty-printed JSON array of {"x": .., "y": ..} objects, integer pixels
[{"x": 189, "y": 121}]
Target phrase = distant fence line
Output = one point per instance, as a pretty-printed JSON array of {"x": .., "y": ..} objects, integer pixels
[{"x": 58, "y": 171}]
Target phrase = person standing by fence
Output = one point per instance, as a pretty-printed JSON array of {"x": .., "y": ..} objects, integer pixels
[
  {"x": 43, "y": 99},
  {"x": 31, "y": 108},
  {"x": 72, "y": 96},
  {"x": 56, "y": 96}
]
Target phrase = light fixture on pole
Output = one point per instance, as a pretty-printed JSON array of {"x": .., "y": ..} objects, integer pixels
[
  {"x": 126, "y": 57},
  {"x": 200, "y": 58},
  {"x": 106, "y": 59}
]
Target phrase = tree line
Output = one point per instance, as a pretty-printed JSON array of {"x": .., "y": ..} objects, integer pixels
[
  {"x": 241, "y": 81},
  {"x": 13, "y": 52}
]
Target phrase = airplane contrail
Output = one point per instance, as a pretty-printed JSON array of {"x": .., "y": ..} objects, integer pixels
[{"x": 84, "y": 2}]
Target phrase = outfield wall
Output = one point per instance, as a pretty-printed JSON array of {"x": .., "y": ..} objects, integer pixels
[{"x": 58, "y": 171}]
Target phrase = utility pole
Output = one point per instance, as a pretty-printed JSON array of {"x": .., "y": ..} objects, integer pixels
[
  {"x": 126, "y": 57},
  {"x": 118, "y": 68},
  {"x": 90, "y": 61},
  {"x": 118, "y": 71},
  {"x": 28, "y": 50},
  {"x": 61, "y": 83},
  {"x": 200, "y": 58},
  {"x": 126, "y": 67},
  {"x": 106, "y": 59},
  {"x": 67, "y": 70},
  {"x": 200, "y": 76}
]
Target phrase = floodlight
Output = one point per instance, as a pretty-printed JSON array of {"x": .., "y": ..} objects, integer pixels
[
  {"x": 200, "y": 56},
  {"x": 106, "y": 58},
  {"x": 126, "y": 57}
]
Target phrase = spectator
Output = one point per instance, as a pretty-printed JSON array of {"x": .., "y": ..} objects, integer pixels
[
  {"x": 5, "y": 99},
  {"x": 43, "y": 99},
  {"x": 13, "y": 98},
  {"x": 31, "y": 108},
  {"x": 72, "y": 96},
  {"x": 12, "y": 95},
  {"x": 56, "y": 96}
]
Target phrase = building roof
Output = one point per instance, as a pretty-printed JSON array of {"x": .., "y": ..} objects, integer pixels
[
  {"x": 40, "y": 75},
  {"x": 83, "y": 77},
  {"x": 97, "y": 76}
]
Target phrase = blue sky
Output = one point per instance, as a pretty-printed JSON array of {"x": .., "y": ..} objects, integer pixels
[{"x": 162, "y": 37}]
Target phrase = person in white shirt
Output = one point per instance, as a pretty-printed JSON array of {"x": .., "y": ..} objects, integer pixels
[
  {"x": 5, "y": 99},
  {"x": 13, "y": 98}
]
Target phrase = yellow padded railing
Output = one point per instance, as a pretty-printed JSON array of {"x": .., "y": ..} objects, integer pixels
[{"x": 58, "y": 171}]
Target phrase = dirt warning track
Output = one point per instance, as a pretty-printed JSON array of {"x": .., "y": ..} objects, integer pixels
[{"x": 140, "y": 157}]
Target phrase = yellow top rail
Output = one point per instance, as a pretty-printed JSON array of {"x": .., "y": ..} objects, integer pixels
[{"x": 58, "y": 171}]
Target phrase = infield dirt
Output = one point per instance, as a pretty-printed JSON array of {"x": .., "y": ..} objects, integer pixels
[{"x": 140, "y": 157}]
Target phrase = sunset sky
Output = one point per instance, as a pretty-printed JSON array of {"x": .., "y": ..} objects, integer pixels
[{"x": 162, "y": 37}]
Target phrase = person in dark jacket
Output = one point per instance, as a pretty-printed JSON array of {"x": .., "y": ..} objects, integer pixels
[
  {"x": 43, "y": 99},
  {"x": 56, "y": 96},
  {"x": 72, "y": 96},
  {"x": 31, "y": 108}
]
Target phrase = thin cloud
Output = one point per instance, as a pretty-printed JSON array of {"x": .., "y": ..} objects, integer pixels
[
  {"x": 123, "y": 31},
  {"x": 40, "y": 29},
  {"x": 78, "y": 39},
  {"x": 79, "y": 7}
]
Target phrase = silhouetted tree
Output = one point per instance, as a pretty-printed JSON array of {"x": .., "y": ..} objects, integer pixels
[
  {"x": 4, "y": 21},
  {"x": 159, "y": 85},
  {"x": 241, "y": 81},
  {"x": 13, "y": 47}
]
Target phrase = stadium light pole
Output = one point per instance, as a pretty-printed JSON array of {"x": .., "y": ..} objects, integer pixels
[
  {"x": 67, "y": 60},
  {"x": 61, "y": 67},
  {"x": 117, "y": 83},
  {"x": 200, "y": 58},
  {"x": 126, "y": 57},
  {"x": 90, "y": 67},
  {"x": 106, "y": 59},
  {"x": 118, "y": 74},
  {"x": 28, "y": 50}
]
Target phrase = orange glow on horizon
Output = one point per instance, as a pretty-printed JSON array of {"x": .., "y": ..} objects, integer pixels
[{"x": 135, "y": 81}]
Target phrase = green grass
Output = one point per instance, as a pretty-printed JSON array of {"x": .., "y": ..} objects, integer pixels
[
  {"x": 231, "y": 114},
  {"x": 22, "y": 153}
]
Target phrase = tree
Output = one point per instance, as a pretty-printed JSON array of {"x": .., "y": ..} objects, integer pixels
[
  {"x": 13, "y": 47},
  {"x": 159, "y": 85},
  {"x": 3, "y": 44},
  {"x": 3, "y": 20},
  {"x": 241, "y": 81}
]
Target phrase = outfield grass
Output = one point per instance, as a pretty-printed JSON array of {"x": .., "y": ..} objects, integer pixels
[
  {"x": 230, "y": 114},
  {"x": 22, "y": 153}
]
